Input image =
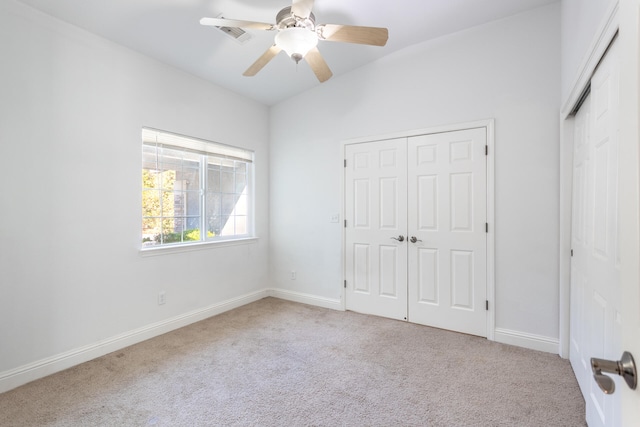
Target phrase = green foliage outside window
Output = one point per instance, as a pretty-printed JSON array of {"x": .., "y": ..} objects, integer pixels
[
  {"x": 151, "y": 202},
  {"x": 153, "y": 207},
  {"x": 185, "y": 236}
]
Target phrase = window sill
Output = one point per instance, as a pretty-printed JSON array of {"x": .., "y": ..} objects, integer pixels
[{"x": 165, "y": 250}]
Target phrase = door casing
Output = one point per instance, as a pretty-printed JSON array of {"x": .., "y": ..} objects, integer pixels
[{"x": 489, "y": 126}]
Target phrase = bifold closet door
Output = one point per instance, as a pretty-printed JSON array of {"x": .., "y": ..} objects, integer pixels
[
  {"x": 375, "y": 238},
  {"x": 447, "y": 215}
]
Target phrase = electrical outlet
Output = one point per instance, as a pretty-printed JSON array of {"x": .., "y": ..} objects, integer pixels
[
  {"x": 162, "y": 298},
  {"x": 334, "y": 218},
  {"x": 293, "y": 275}
]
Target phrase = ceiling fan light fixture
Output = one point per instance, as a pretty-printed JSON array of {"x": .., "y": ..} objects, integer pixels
[{"x": 296, "y": 41}]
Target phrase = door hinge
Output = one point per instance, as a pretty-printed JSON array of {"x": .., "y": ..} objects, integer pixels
[
  {"x": 345, "y": 163},
  {"x": 486, "y": 150},
  {"x": 345, "y": 284},
  {"x": 487, "y": 304},
  {"x": 571, "y": 252},
  {"x": 486, "y": 227},
  {"x": 345, "y": 223}
]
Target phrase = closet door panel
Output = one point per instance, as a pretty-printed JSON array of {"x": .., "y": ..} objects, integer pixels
[
  {"x": 447, "y": 214},
  {"x": 375, "y": 211}
]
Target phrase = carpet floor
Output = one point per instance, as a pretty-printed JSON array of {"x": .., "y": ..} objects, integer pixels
[{"x": 279, "y": 363}]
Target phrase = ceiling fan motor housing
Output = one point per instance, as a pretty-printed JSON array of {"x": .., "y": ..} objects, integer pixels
[{"x": 286, "y": 19}]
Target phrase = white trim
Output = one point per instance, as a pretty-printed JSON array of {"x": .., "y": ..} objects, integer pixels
[
  {"x": 425, "y": 131},
  {"x": 491, "y": 236},
  {"x": 23, "y": 374},
  {"x": 489, "y": 125},
  {"x": 343, "y": 236},
  {"x": 530, "y": 341},
  {"x": 603, "y": 37},
  {"x": 564, "y": 245},
  {"x": 196, "y": 246},
  {"x": 16, "y": 377},
  {"x": 601, "y": 41},
  {"x": 331, "y": 303}
]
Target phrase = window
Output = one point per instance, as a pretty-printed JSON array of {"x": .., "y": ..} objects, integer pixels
[{"x": 194, "y": 190}]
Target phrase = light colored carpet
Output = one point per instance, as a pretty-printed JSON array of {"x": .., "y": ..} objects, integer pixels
[{"x": 278, "y": 363}]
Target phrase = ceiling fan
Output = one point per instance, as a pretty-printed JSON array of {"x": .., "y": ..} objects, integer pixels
[{"x": 298, "y": 36}]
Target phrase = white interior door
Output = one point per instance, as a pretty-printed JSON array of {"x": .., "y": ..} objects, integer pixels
[
  {"x": 431, "y": 188},
  {"x": 596, "y": 317},
  {"x": 375, "y": 238},
  {"x": 447, "y": 219}
]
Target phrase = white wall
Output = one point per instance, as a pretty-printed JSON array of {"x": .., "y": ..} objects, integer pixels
[
  {"x": 508, "y": 70},
  {"x": 581, "y": 20},
  {"x": 71, "y": 110}
]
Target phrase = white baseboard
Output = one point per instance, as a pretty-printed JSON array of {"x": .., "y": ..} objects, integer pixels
[
  {"x": 41, "y": 368},
  {"x": 530, "y": 341},
  {"x": 21, "y": 375},
  {"x": 505, "y": 336},
  {"x": 334, "y": 304}
]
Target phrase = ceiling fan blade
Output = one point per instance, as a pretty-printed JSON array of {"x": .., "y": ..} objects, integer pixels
[
  {"x": 350, "y": 34},
  {"x": 318, "y": 65},
  {"x": 302, "y": 8},
  {"x": 223, "y": 22},
  {"x": 262, "y": 61}
]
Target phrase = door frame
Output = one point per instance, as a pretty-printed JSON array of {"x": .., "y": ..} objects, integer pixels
[
  {"x": 603, "y": 38},
  {"x": 488, "y": 125}
]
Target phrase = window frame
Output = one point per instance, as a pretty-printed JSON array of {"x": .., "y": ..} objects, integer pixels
[{"x": 206, "y": 151}]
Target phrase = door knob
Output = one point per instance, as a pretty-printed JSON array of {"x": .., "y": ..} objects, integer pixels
[
  {"x": 400, "y": 238},
  {"x": 625, "y": 367},
  {"x": 413, "y": 239}
]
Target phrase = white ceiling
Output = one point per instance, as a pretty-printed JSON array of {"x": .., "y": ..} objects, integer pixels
[{"x": 169, "y": 31}]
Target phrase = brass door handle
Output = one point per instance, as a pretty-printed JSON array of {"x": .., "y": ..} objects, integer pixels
[{"x": 625, "y": 367}]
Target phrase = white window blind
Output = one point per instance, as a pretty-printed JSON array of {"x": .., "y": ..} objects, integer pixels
[{"x": 200, "y": 146}]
